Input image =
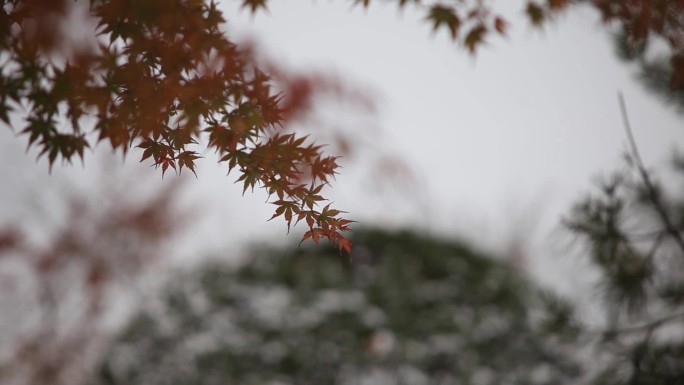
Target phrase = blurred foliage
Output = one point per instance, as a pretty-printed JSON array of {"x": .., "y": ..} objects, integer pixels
[
  {"x": 649, "y": 22},
  {"x": 470, "y": 23},
  {"x": 408, "y": 309},
  {"x": 633, "y": 231},
  {"x": 653, "y": 68},
  {"x": 65, "y": 278},
  {"x": 161, "y": 75}
]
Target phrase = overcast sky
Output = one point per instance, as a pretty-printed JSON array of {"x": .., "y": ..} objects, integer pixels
[
  {"x": 504, "y": 142},
  {"x": 500, "y": 144}
]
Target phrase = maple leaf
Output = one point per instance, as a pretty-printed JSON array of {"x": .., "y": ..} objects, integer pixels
[
  {"x": 187, "y": 159},
  {"x": 327, "y": 213},
  {"x": 364, "y": 3},
  {"x": 441, "y": 15},
  {"x": 314, "y": 234},
  {"x": 535, "y": 12},
  {"x": 402, "y": 3},
  {"x": 677, "y": 78},
  {"x": 475, "y": 37},
  {"x": 4, "y": 112},
  {"x": 500, "y": 25},
  {"x": 255, "y": 5},
  {"x": 345, "y": 244},
  {"x": 166, "y": 163},
  {"x": 557, "y": 4}
]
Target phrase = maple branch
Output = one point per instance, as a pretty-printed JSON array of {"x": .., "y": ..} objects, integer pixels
[{"x": 653, "y": 195}]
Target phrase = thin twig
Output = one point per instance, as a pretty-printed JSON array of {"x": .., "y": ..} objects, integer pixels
[
  {"x": 649, "y": 326},
  {"x": 653, "y": 195},
  {"x": 656, "y": 244}
]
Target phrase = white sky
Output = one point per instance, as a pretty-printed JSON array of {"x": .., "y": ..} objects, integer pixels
[
  {"x": 502, "y": 143},
  {"x": 505, "y": 142}
]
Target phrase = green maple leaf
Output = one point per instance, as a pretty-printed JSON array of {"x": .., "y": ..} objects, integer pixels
[
  {"x": 535, "y": 12},
  {"x": 441, "y": 15},
  {"x": 254, "y": 5}
]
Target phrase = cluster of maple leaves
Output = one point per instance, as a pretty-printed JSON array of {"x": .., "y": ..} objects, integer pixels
[
  {"x": 161, "y": 75},
  {"x": 470, "y": 22}
]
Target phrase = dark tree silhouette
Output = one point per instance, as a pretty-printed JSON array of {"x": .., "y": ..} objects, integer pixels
[{"x": 409, "y": 310}]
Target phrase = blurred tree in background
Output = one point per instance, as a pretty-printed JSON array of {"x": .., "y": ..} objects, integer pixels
[
  {"x": 160, "y": 75},
  {"x": 66, "y": 284},
  {"x": 633, "y": 230},
  {"x": 414, "y": 310},
  {"x": 408, "y": 310}
]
